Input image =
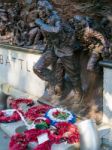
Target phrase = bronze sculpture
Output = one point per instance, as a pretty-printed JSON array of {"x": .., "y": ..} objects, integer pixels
[
  {"x": 20, "y": 21},
  {"x": 90, "y": 39},
  {"x": 4, "y": 25},
  {"x": 60, "y": 41}
]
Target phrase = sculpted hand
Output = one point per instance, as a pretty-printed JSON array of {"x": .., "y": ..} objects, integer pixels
[{"x": 105, "y": 52}]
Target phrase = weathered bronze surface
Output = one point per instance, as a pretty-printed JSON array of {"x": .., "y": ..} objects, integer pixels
[
  {"x": 17, "y": 24},
  {"x": 72, "y": 45}
]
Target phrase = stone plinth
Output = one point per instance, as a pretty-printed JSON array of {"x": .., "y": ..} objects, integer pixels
[
  {"x": 107, "y": 103},
  {"x": 107, "y": 91},
  {"x": 16, "y": 69}
]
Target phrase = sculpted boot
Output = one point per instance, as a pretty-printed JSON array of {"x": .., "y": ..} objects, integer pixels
[
  {"x": 58, "y": 89},
  {"x": 78, "y": 96}
]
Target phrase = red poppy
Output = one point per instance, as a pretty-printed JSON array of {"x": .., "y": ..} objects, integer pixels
[
  {"x": 18, "y": 142},
  {"x": 65, "y": 132},
  {"x": 21, "y": 141},
  {"x": 32, "y": 134},
  {"x": 37, "y": 111},
  {"x": 7, "y": 119},
  {"x": 44, "y": 146},
  {"x": 15, "y": 104}
]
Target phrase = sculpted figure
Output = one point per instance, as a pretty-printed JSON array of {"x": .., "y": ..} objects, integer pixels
[
  {"x": 4, "y": 25},
  {"x": 26, "y": 32},
  {"x": 20, "y": 24},
  {"x": 35, "y": 37},
  {"x": 3, "y": 21},
  {"x": 10, "y": 17},
  {"x": 60, "y": 38},
  {"x": 21, "y": 33},
  {"x": 90, "y": 38}
]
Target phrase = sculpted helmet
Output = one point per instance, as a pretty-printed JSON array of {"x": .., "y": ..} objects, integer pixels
[
  {"x": 44, "y": 8},
  {"x": 79, "y": 22},
  {"x": 44, "y": 4}
]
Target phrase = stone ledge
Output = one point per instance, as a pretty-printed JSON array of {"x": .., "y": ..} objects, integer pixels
[
  {"x": 10, "y": 128},
  {"x": 105, "y": 134},
  {"x": 21, "y": 49},
  {"x": 106, "y": 63},
  {"x": 16, "y": 93}
]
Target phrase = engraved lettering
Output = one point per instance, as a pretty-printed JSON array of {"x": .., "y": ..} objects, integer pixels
[
  {"x": 1, "y": 59},
  {"x": 21, "y": 63},
  {"x": 7, "y": 60}
]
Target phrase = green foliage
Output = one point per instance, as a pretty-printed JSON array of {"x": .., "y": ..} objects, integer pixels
[
  {"x": 42, "y": 125},
  {"x": 62, "y": 116}
]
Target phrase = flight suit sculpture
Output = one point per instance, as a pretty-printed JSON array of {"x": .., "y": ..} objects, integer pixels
[
  {"x": 91, "y": 39},
  {"x": 60, "y": 38}
]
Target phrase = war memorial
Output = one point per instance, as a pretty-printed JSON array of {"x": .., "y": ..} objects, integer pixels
[{"x": 55, "y": 74}]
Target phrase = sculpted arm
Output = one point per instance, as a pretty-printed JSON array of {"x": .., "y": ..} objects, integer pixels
[
  {"x": 49, "y": 28},
  {"x": 92, "y": 33}
]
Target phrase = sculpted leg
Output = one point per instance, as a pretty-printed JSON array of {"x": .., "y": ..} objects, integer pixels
[
  {"x": 40, "y": 68},
  {"x": 32, "y": 33},
  {"x": 59, "y": 75},
  {"x": 72, "y": 68},
  {"x": 95, "y": 56},
  {"x": 92, "y": 62}
]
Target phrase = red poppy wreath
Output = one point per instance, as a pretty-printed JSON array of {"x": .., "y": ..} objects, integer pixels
[
  {"x": 18, "y": 142},
  {"x": 65, "y": 132},
  {"x": 36, "y": 111},
  {"x": 21, "y": 141},
  {"x": 10, "y": 115},
  {"x": 16, "y": 102}
]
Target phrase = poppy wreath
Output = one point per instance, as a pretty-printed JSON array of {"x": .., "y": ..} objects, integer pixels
[
  {"x": 21, "y": 141},
  {"x": 36, "y": 111},
  {"x": 16, "y": 103},
  {"x": 18, "y": 142},
  {"x": 7, "y": 118},
  {"x": 44, "y": 146},
  {"x": 65, "y": 132},
  {"x": 56, "y": 115},
  {"x": 32, "y": 134},
  {"x": 42, "y": 123}
]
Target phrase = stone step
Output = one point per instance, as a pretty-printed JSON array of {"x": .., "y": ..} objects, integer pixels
[
  {"x": 4, "y": 140},
  {"x": 105, "y": 133},
  {"x": 10, "y": 128}
]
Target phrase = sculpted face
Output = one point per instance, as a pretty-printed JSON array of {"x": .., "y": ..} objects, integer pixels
[
  {"x": 44, "y": 8},
  {"x": 42, "y": 12}
]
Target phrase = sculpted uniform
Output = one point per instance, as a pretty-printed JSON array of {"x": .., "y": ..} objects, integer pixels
[
  {"x": 90, "y": 39},
  {"x": 60, "y": 39},
  {"x": 3, "y": 21}
]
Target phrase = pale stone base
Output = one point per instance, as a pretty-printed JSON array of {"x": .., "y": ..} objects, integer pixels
[{"x": 107, "y": 102}]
